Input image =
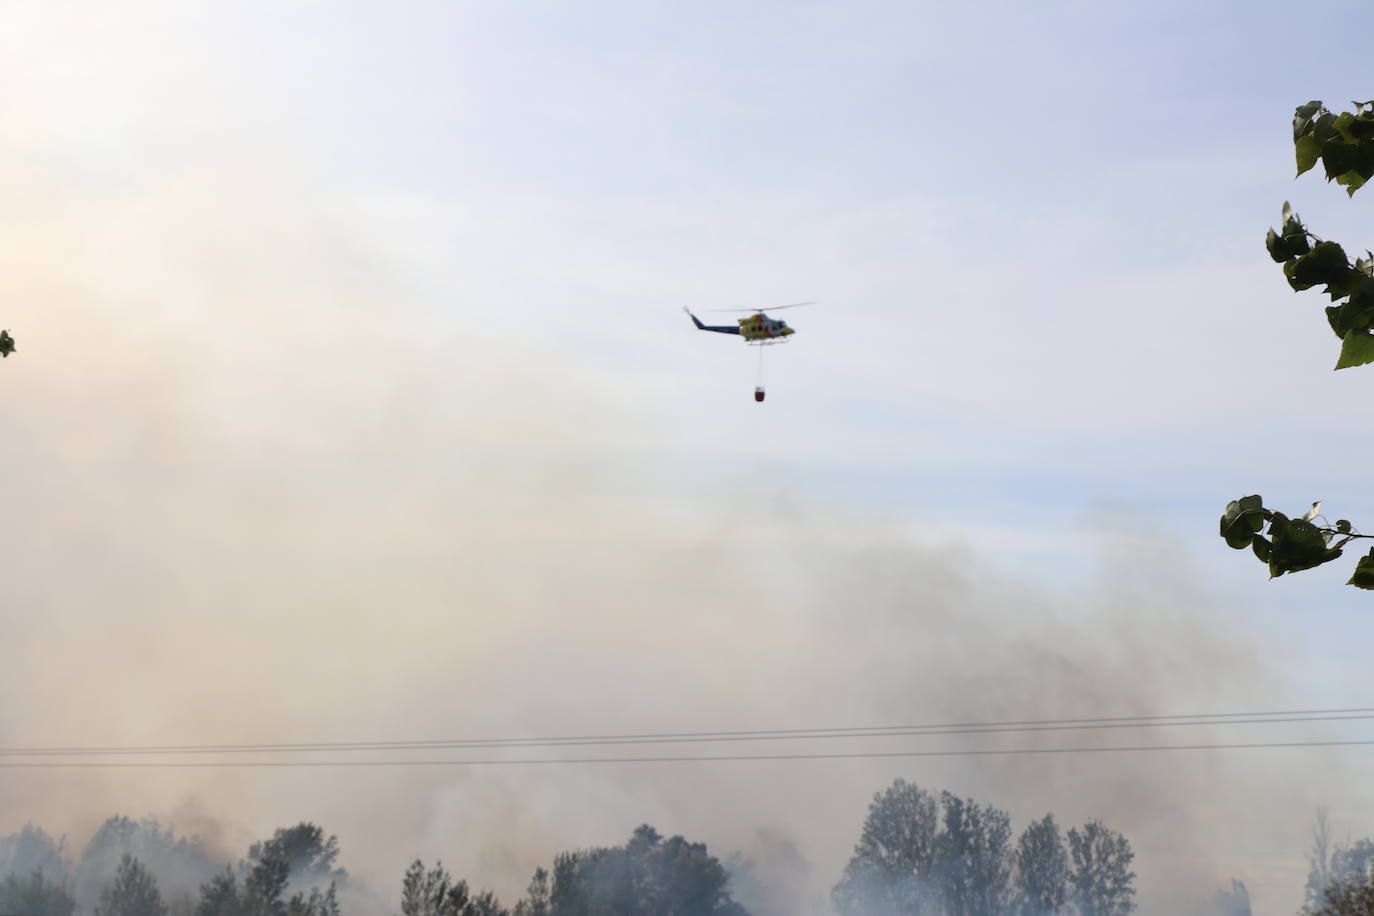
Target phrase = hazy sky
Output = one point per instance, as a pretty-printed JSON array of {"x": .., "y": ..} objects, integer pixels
[{"x": 354, "y": 400}]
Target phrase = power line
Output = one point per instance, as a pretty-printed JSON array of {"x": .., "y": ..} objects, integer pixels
[
  {"x": 707, "y": 738},
  {"x": 856, "y": 755},
  {"x": 945, "y": 729}
]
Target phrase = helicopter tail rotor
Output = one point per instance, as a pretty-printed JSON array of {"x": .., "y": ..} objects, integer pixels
[{"x": 695, "y": 320}]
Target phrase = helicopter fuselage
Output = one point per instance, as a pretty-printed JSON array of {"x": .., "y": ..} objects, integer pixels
[
  {"x": 757, "y": 328},
  {"x": 761, "y": 328}
]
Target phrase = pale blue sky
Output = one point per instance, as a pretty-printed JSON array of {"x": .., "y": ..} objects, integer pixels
[{"x": 428, "y": 256}]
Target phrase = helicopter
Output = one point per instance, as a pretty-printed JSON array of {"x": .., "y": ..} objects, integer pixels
[
  {"x": 6, "y": 343},
  {"x": 757, "y": 329}
]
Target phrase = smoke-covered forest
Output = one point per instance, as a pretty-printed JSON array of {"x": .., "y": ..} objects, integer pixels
[{"x": 918, "y": 852}]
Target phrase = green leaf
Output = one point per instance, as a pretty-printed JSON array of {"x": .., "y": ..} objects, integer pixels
[
  {"x": 1357, "y": 349},
  {"x": 1364, "y": 161},
  {"x": 1296, "y": 240},
  {"x": 1342, "y": 285},
  {"x": 1324, "y": 127},
  {"x": 1334, "y": 318},
  {"x": 1277, "y": 249},
  {"x": 1323, "y": 264},
  {"x": 1242, "y": 520},
  {"x": 1361, "y": 129},
  {"x": 1343, "y": 122},
  {"x": 1343, "y": 526},
  {"x": 1297, "y": 545},
  {"x": 1308, "y": 149},
  {"x": 1263, "y": 549},
  {"x": 1292, "y": 223},
  {"x": 1302, "y": 118},
  {"x": 1252, "y": 510},
  {"x": 1289, "y": 268},
  {"x": 1354, "y": 315},
  {"x": 1364, "y": 572},
  {"x": 1338, "y": 157}
]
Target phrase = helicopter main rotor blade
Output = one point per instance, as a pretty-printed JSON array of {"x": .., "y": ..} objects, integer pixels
[{"x": 760, "y": 311}]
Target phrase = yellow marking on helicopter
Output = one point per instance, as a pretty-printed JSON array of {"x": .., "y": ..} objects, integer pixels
[{"x": 760, "y": 327}]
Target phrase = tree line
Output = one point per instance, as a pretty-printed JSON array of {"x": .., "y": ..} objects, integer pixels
[
  {"x": 919, "y": 853},
  {"x": 139, "y": 868}
]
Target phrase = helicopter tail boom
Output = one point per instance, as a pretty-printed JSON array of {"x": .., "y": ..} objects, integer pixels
[{"x": 718, "y": 328}]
